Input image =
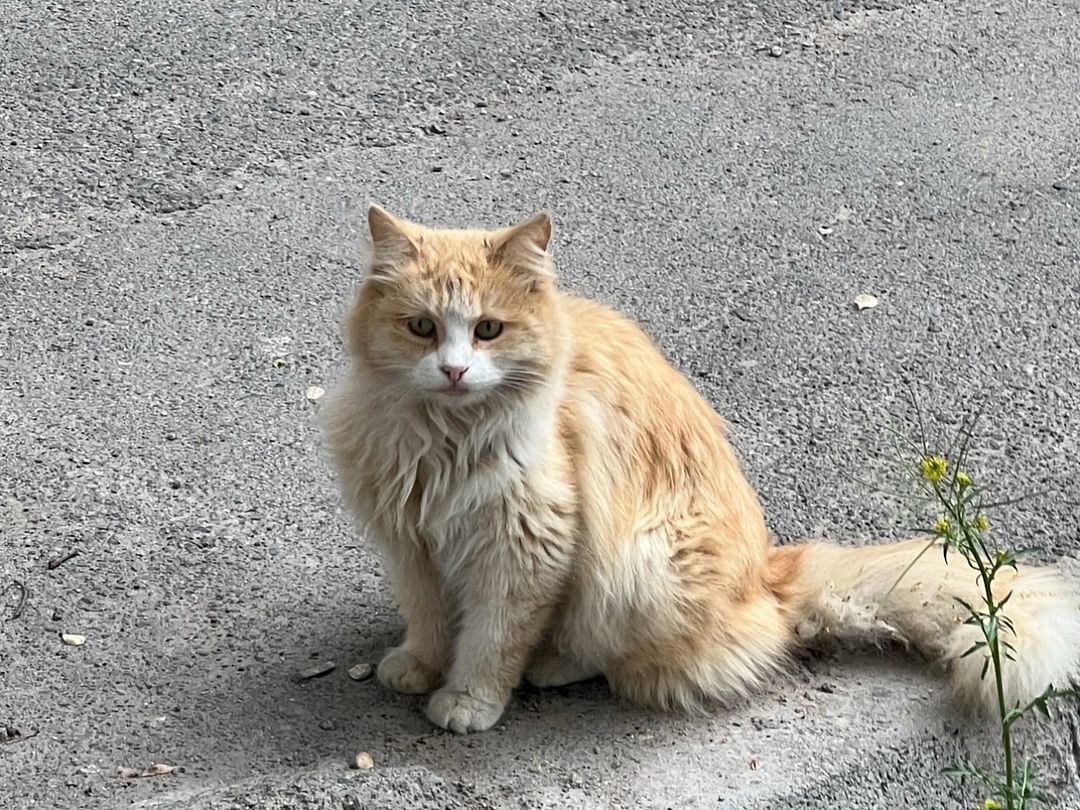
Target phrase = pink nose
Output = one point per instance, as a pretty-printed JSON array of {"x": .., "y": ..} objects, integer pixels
[{"x": 455, "y": 373}]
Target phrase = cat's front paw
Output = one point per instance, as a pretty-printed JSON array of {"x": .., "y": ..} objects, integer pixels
[
  {"x": 402, "y": 671},
  {"x": 461, "y": 712}
]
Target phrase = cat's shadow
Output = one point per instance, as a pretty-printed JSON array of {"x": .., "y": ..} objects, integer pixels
[{"x": 272, "y": 718}]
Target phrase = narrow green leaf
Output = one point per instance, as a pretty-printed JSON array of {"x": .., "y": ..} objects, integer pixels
[{"x": 967, "y": 605}]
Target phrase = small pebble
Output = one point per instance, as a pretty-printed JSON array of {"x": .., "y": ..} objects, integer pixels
[
  {"x": 776, "y": 50},
  {"x": 363, "y": 761},
  {"x": 865, "y": 301},
  {"x": 317, "y": 671},
  {"x": 314, "y": 392},
  {"x": 361, "y": 672},
  {"x": 73, "y": 639}
]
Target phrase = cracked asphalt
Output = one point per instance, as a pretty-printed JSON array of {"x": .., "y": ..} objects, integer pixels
[{"x": 182, "y": 197}]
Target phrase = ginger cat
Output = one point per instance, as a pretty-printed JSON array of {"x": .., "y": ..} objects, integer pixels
[{"x": 554, "y": 500}]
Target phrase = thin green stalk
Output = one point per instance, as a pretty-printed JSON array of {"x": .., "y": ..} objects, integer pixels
[
  {"x": 974, "y": 549},
  {"x": 995, "y": 655}
]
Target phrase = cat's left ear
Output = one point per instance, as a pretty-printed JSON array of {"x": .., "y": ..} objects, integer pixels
[
  {"x": 523, "y": 248},
  {"x": 394, "y": 242}
]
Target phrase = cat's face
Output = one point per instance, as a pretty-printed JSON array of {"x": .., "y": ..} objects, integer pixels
[{"x": 456, "y": 317}]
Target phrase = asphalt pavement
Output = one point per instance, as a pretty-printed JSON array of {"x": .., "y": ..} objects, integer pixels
[{"x": 182, "y": 195}]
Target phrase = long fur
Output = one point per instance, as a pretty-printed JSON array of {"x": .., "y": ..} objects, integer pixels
[{"x": 588, "y": 516}]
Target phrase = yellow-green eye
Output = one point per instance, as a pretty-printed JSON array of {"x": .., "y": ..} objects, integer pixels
[
  {"x": 422, "y": 327},
  {"x": 488, "y": 330}
]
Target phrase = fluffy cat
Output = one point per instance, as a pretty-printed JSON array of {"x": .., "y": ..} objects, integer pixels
[{"x": 554, "y": 500}]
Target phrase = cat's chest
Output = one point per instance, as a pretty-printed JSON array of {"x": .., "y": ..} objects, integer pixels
[{"x": 454, "y": 500}]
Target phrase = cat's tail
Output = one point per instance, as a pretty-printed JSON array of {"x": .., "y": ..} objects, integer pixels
[{"x": 910, "y": 592}]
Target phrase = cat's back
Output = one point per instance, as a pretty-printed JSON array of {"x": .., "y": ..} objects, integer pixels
[
  {"x": 618, "y": 362},
  {"x": 647, "y": 442}
]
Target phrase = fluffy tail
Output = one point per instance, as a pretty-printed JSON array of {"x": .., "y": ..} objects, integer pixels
[{"x": 863, "y": 595}]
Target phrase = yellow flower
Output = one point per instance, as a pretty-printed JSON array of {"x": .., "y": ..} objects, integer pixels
[
  {"x": 942, "y": 525},
  {"x": 963, "y": 480},
  {"x": 991, "y": 804},
  {"x": 933, "y": 467},
  {"x": 981, "y": 522}
]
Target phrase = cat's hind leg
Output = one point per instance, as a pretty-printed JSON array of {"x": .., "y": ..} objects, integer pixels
[
  {"x": 728, "y": 653},
  {"x": 549, "y": 667}
]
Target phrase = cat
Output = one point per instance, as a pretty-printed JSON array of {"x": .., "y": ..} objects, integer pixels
[{"x": 554, "y": 501}]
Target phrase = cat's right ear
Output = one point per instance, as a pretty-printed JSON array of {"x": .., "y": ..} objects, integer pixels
[{"x": 392, "y": 244}]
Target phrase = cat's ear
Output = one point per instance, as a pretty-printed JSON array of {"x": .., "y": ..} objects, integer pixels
[
  {"x": 394, "y": 242},
  {"x": 523, "y": 249}
]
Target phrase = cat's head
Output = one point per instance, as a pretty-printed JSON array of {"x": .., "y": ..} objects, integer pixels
[{"x": 456, "y": 317}]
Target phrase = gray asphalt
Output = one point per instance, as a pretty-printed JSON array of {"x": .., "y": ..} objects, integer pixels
[{"x": 182, "y": 190}]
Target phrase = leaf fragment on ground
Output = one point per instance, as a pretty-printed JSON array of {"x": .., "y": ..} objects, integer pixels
[
  {"x": 317, "y": 671},
  {"x": 156, "y": 769},
  {"x": 865, "y": 301}
]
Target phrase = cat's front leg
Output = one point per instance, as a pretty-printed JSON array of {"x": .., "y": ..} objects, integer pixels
[
  {"x": 505, "y": 609},
  {"x": 418, "y": 664}
]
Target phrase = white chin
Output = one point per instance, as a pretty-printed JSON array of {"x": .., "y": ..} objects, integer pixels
[{"x": 451, "y": 397}]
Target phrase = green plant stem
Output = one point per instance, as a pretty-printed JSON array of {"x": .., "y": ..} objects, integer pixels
[
  {"x": 973, "y": 549},
  {"x": 995, "y": 656}
]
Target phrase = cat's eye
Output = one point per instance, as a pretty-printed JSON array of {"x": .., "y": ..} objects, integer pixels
[
  {"x": 488, "y": 330},
  {"x": 422, "y": 327}
]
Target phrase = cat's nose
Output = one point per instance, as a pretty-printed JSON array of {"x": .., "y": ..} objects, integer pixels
[{"x": 455, "y": 373}]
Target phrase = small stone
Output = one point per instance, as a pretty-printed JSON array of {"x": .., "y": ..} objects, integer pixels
[
  {"x": 361, "y": 672},
  {"x": 776, "y": 51},
  {"x": 865, "y": 301},
  {"x": 73, "y": 639},
  {"x": 317, "y": 671},
  {"x": 327, "y": 725},
  {"x": 57, "y": 614},
  {"x": 363, "y": 761},
  {"x": 314, "y": 392}
]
